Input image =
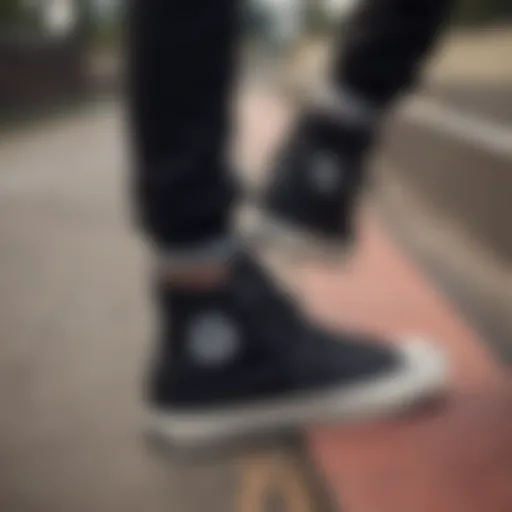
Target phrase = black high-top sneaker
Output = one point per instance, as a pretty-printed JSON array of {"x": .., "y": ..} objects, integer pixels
[
  {"x": 309, "y": 202},
  {"x": 243, "y": 359}
]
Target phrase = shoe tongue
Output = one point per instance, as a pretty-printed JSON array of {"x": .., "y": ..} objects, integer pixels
[{"x": 264, "y": 307}]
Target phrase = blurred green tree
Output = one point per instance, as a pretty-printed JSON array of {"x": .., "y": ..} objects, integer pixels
[
  {"x": 474, "y": 12},
  {"x": 317, "y": 19},
  {"x": 10, "y": 11}
]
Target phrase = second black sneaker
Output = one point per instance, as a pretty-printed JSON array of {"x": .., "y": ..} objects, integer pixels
[
  {"x": 309, "y": 201},
  {"x": 243, "y": 359}
]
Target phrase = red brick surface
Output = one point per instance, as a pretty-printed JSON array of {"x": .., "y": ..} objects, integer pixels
[{"x": 455, "y": 457}]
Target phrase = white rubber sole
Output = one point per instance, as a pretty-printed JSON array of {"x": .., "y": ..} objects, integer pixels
[
  {"x": 291, "y": 241},
  {"x": 423, "y": 375}
]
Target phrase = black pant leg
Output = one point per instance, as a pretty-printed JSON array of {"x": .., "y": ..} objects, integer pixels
[
  {"x": 385, "y": 44},
  {"x": 181, "y": 62}
]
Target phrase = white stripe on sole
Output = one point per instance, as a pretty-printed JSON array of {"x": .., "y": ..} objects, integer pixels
[{"x": 424, "y": 375}]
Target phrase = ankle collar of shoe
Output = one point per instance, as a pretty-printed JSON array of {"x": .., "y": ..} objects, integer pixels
[{"x": 197, "y": 255}]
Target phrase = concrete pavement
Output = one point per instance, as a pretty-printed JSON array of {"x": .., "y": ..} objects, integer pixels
[{"x": 75, "y": 332}]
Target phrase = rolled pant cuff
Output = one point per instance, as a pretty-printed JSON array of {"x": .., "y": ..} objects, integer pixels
[{"x": 217, "y": 250}]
